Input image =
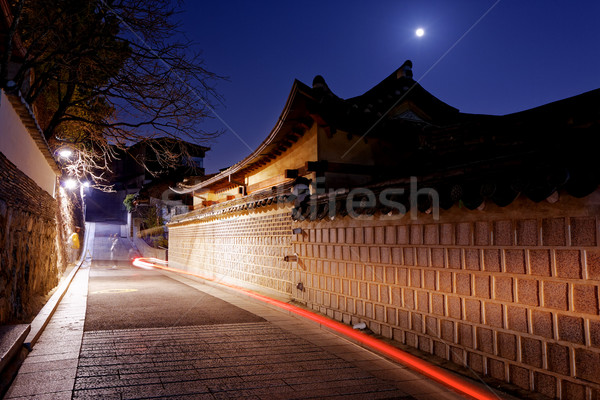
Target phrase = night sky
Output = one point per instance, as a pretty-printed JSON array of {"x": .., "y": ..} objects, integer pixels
[{"x": 520, "y": 55}]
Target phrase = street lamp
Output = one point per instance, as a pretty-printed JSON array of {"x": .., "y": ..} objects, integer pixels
[{"x": 65, "y": 152}]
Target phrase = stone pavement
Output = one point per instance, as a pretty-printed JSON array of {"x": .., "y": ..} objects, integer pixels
[{"x": 280, "y": 356}]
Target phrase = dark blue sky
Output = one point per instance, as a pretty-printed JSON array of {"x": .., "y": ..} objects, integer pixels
[{"x": 520, "y": 55}]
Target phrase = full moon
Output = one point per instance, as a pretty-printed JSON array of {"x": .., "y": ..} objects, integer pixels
[{"x": 420, "y": 32}]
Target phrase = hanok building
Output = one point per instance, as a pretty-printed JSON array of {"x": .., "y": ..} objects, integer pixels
[{"x": 479, "y": 243}]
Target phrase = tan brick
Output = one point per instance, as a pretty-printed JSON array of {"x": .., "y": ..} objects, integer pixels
[
  {"x": 440, "y": 349},
  {"x": 497, "y": 369},
  {"x": 465, "y": 335},
  {"x": 542, "y": 324},
  {"x": 445, "y": 281},
  {"x": 555, "y": 295},
  {"x": 369, "y": 235},
  {"x": 432, "y": 234},
  {"x": 409, "y": 299},
  {"x": 519, "y": 376},
  {"x": 527, "y": 292},
  {"x": 403, "y": 276},
  {"x": 455, "y": 258},
  {"x": 507, "y": 345},
  {"x": 417, "y": 322},
  {"x": 482, "y": 233},
  {"x": 422, "y": 257},
  {"x": 491, "y": 260},
  {"x": 545, "y": 384},
  {"x": 437, "y": 258},
  {"x": 409, "y": 256},
  {"x": 457, "y": 355},
  {"x": 517, "y": 318},
  {"x": 390, "y": 235},
  {"x": 571, "y": 329},
  {"x": 493, "y": 315},
  {"x": 482, "y": 286},
  {"x": 416, "y": 234},
  {"x": 379, "y": 235},
  {"x": 422, "y": 301},
  {"x": 503, "y": 288},
  {"x": 593, "y": 264},
  {"x": 472, "y": 259},
  {"x": 573, "y": 391},
  {"x": 447, "y": 234},
  {"x": 586, "y": 365},
  {"x": 583, "y": 231},
  {"x": 515, "y": 261},
  {"x": 558, "y": 358},
  {"x": 397, "y": 256},
  {"x": 585, "y": 299},
  {"x": 429, "y": 279},
  {"x": 475, "y": 362},
  {"x": 503, "y": 233},
  {"x": 463, "y": 234},
  {"x": 568, "y": 264},
  {"x": 473, "y": 310},
  {"x": 485, "y": 340},
  {"x": 402, "y": 234},
  {"x": 411, "y": 339},
  {"x": 437, "y": 304},
  {"x": 454, "y": 307},
  {"x": 447, "y": 330},
  {"x": 463, "y": 283},
  {"x": 553, "y": 232},
  {"x": 403, "y": 319}
]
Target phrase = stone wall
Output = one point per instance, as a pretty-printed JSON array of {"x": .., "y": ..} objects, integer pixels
[
  {"x": 245, "y": 248},
  {"x": 29, "y": 254},
  {"x": 511, "y": 292}
]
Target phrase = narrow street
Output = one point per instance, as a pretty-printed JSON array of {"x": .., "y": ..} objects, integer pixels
[{"x": 151, "y": 334}]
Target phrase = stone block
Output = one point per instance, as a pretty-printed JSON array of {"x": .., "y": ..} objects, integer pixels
[
  {"x": 558, "y": 358},
  {"x": 369, "y": 234},
  {"x": 397, "y": 256},
  {"x": 587, "y": 363},
  {"x": 429, "y": 279},
  {"x": 516, "y": 318},
  {"x": 570, "y": 329},
  {"x": 403, "y": 276},
  {"x": 446, "y": 234},
  {"x": 485, "y": 340},
  {"x": 445, "y": 281},
  {"x": 527, "y": 232},
  {"x": 573, "y": 391},
  {"x": 553, "y": 232},
  {"x": 472, "y": 261},
  {"x": 527, "y": 292},
  {"x": 593, "y": 264},
  {"x": 402, "y": 234},
  {"x": 416, "y": 234},
  {"x": 568, "y": 264},
  {"x": 503, "y": 288},
  {"x": 542, "y": 324},
  {"x": 497, "y": 369},
  {"x": 531, "y": 352},
  {"x": 482, "y": 233},
  {"x": 583, "y": 231},
  {"x": 432, "y": 234},
  {"x": 457, "y": 355},
  {"x": 507, "y": 345},
  {"x": 411, "y": 339},
  {"x": 386, "y": 255},
  {"x": 493, "y": 315},
  {"x": 447, "y": 330},
  {"x": 555, "y": 295},
  {"x": 473, "y": 310},
  {"x": 403, "y": 319},
  {"x": 422, "y": 257},
  {"x": 463, "y": 234},
  {"x": 482, "y": 286},
  {"x": 454, "y": 307},
  {"x": 503, "y": 233},
  {"x": 379, "y": 235},
  {"x": 341, "y": 235},
  {"x": 475, "y": 362},
  {"x": 595, "y": 333},
  {"x": 585, "y": 298},
  {"x": 463, "y": 283},
  {"x": 391, "y": 315},
  {"x": 514, "y": 261},
  {"x": 438, "y": 258},
  {"x": 539, "y": 262},
  {"x": 415, "y": 278},
  {"x": 390, "y": 235},
  {"x": 384, "y": 294},
  {"x": 409, "y": 256},
  {"x": 545, "y": 384},
  {"x": 519, "y": 376},
  {"x": 465, "y": 335},
  {"x": 437, "y": 304},
  {"x": 431, "y": 326},
  {"x": 455, "y": 258},
  {"x": 491, "y": 260},
  {"x": 422, "y": 301},
  {"x": 440, "y": 349},
  {"x": 409, "y": 299}
]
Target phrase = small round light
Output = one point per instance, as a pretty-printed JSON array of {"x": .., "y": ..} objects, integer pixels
[
  {"x": 65, "y": 153},
  {"x": 70, "y": 184},
  {"x": 420, "y": 32},
  {"x": 86, "y": 184}
]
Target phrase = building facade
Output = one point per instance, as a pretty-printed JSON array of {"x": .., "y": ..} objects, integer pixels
[{"x": 473, "y": 238}]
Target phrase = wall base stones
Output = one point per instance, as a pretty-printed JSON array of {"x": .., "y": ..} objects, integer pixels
[{"x": 29, "y": 254}]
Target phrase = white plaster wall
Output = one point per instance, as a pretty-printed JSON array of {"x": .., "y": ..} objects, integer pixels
[{"x": 18, "y": 146}]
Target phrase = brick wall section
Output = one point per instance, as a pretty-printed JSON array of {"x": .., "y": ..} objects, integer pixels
[
  {"x": 28, "y": 254},
  {"x": 512, "y": 292},
  {"x": 245, "y": 248}
]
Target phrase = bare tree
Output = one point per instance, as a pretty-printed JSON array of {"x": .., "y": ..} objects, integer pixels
[{"x": 108, "y": 73}]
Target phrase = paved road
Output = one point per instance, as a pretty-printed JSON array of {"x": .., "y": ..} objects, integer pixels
[{"x": 149, "y": 334}]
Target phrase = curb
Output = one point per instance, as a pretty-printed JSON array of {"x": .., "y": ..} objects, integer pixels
[{"x": 40, "y": 322}]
